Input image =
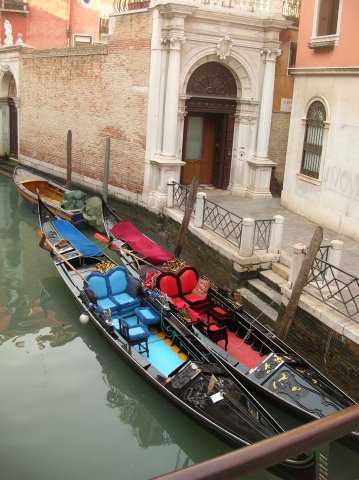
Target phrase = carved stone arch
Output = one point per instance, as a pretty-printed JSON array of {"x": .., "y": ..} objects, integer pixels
[
  {"x": 8, "y": 87},
  {"x": 9, "y": 103},
  {"x": 318, "y": 98},
  {"x": 239, "y": 68},
  {"x": 212, "y": 79}
]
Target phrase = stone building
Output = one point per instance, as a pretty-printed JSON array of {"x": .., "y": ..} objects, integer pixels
[
  {"x": 182, "y": 89},
  {"x": 322, "y": 171}
]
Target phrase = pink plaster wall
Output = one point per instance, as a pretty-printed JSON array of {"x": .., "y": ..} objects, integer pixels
[{"x": 345, "y": 54}]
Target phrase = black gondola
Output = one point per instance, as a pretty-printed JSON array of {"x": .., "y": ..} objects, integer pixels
[
  {"x": 163, "y": 353},
  {"x": 258, "y": 358}
]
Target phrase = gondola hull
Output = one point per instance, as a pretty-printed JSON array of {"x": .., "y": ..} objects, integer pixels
[
  {"x": 28, "y": 184},
  {"x": 279, "y": 374},
  {"x": 198, "y": 383}
]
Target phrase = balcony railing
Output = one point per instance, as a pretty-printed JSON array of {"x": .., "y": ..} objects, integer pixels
[
  {"x": 289, "y": 8},
  {"x": 19, "y": 5}
]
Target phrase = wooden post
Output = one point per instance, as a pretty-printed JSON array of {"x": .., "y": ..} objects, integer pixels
[
  {"x": 69, "y": 158},
  {"x": 300, "y": 282},
  {"x": 106, "y": 169},
  {"x": 187, "y": 216}
]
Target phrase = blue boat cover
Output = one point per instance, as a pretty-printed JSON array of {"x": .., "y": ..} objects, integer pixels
[{"x": 78, "y": 240}]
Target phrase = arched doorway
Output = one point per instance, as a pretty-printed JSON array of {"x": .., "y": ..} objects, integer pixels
[
  {"x": 9, "y": 103},
  {"x": 208, "y": 130},
  {"x": 13, "y": 126}
]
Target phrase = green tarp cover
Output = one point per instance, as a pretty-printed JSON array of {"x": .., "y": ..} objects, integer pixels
[
  {"x": 92, "y": 213},
  {"x": 74, "y": 200}
]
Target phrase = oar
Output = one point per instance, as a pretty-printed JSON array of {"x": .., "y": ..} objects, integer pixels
[
  {"x": 103, "y": 239},
  {"x": 44, "y": 240}
]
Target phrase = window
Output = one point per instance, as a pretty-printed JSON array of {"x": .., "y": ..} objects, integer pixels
[
  {"x": 328, "y": 13},
  {"x": 292, "y": 56},
  {"x": 80, "y": 40},
  {"x": 326, "y": 24},
  {"x": 313, "y": 140}
]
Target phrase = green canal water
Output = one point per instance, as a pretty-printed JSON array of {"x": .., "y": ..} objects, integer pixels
[{"x": 70, "y": 407}]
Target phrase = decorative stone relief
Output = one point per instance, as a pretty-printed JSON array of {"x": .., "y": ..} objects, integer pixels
[
  {"x": 5, "y": 68},
  {"x": 8, "y": 33},
  {"x": 19, "y": 40},
  {"x": 224, "y": 47}
]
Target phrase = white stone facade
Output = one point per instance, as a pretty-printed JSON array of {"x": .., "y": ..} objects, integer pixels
[
  {"x": 332, "y": 200},
  {"x": 185, "y": 36}
]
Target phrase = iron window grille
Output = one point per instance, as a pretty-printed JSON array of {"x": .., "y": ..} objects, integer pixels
[{"x": 313, "y": 140}]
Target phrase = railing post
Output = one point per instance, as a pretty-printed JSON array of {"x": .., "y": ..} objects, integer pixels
[
  {"x": 247, "y": 236},
  {"x": 334, "y": 258},
  {"x": 297, "y": 260},
  {"x": 335, "y": 253},
  {"x": 170, "y": 187},
  {"x": 199, "y": 213},
  {"x": 276, "y": 236}
]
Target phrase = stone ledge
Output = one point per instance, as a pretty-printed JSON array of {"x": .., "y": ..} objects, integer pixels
[{"x": 331, "y": 318}]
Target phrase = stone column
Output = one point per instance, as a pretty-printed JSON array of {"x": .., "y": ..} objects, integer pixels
[
  {"x": 265, "y": 114},
  {"x": 170, "y": 123},
  {"x": 260, "y": 165}
]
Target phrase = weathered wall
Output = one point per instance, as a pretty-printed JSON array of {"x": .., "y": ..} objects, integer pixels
[
  {"x": 97, "y": 92},
  {"x": 278, "y": 149}
]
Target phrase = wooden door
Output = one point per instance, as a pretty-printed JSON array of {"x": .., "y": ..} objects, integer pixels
[
  {"x": 13, "y": 129},
  {"x": 199, "y": 147}
]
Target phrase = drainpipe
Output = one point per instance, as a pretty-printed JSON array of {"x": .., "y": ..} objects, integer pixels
[{"x": 69, "y": 30}]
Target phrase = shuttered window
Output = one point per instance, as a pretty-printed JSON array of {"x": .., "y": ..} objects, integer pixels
[{"x": 313, "y": 140}]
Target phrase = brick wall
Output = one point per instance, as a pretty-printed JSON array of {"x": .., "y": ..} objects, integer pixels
[
  {"x": 97, "y": 92},
  {"x": 278, "y": 149}
]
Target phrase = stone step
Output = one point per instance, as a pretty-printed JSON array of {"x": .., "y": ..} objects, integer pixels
[
  {"x": 272, "y": 279},
  {"x": 281, "y": 270},
  {"x": 265, "y": 292},
  {"x": 260, "y": 310}
]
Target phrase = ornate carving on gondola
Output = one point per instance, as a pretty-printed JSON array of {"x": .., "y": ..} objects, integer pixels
[
  {"x": 298, "y": 391},
  {"x": 103, "y": 267},
  {"x": 185, "y": 376}
]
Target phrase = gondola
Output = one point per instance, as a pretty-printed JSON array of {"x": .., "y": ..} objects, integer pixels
[
  {"x": 158, "y": 346},
  {"x": 256, "y": 356},
  {"x": 28, "y": 184}
]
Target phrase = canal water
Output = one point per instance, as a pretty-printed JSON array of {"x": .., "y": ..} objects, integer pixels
[{"x": 70, "y": 407}]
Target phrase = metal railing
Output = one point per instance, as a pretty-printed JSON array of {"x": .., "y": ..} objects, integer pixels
[
  {"x": 262, "y": 232},
  {"x": 261, "y": 455},
  {"x": 334, "y": 287},
  {"x": 323, "y": 252},
  {"x": 180, "y": 195},
  {"x": 226, "y": 224},
  {"x": 290, "y": 8}
]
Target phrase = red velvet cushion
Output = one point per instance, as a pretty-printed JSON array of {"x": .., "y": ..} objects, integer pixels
[
  {"x": 168, "y": 284},
  {"x": 188, "y": 278},
  {"x": 192, "y": 298}
]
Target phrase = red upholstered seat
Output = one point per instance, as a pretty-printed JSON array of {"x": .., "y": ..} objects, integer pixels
[
  {"x": 219, "y": 314},
  {"x": 181, "y": 284}
]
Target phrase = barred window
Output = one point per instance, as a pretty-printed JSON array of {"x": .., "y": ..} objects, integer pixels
[{"x": 313, "y": 140}]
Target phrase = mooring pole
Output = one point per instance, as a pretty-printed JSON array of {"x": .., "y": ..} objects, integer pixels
[
  {"x": 69, "y": 158},
  {"x": 187, "y": 216},
  {"x": 300, "y": 282},
  {"x": 106, "y": 169}
]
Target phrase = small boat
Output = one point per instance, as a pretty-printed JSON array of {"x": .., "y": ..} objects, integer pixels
[
  {"x": 158, "y": 346},
  {"x": 28, "y": 184},
  {"x": 256, "y": 356}
]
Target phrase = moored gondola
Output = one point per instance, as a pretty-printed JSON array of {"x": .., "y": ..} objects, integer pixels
[
  {"x": 261, "y": 360},
  {"x": 158, "y": 346},
  {"x": 54, "y": 195}
]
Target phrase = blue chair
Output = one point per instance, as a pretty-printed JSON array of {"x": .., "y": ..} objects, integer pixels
[
  {"x": 135, "y": 335},
  {"x": 110, "y": 289},
  {"x": 147, "y": 316}
]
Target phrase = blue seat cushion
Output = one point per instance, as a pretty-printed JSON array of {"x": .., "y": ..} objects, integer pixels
[
  {"x": 107, "y": 303},
  {"x": 147, "y": 315},
  {"x": 124, "y": 299},
  {"x": 97, "y": 283},
  {"x": 138, "y": 332}
]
